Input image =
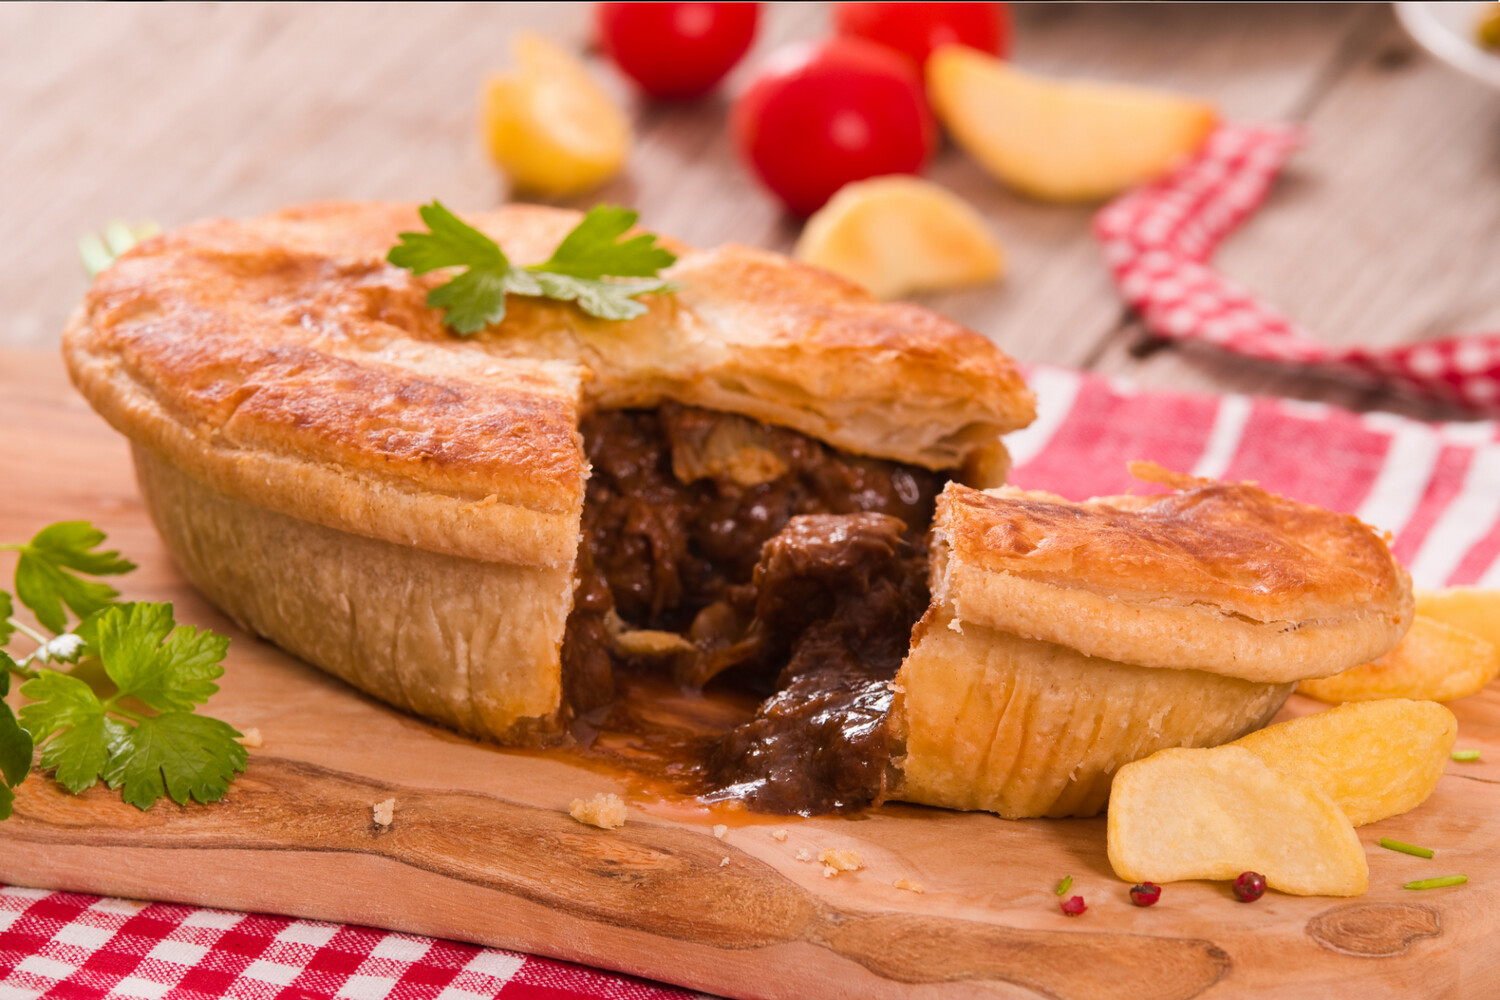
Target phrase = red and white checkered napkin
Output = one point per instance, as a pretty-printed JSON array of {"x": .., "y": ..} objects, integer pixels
[
  {"x": 1158, "y": 240},
  {"x": 75, "y": 947},
  {"x": 1435, "y": 487}
]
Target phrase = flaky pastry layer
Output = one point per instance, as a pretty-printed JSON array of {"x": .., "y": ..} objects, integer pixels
[
  {"x": 989, "y": 720},
  {"x": 1222, "y": 577}
]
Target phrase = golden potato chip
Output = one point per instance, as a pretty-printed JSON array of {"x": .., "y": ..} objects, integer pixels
[
  {"x": 1374, "y": 758},
  {"x": 1468, "y": 608},
  {"x": 1434, "y": 662},
  {"x": 1186, "y": 814}
]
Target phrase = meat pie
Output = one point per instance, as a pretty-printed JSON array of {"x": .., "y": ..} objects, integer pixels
[{"x": 736, "y": 487}]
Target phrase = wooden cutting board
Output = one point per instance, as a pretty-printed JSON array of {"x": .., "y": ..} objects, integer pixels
[{"x": 481, "y": 847}]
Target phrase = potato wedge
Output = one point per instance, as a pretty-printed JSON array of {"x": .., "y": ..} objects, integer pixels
[
  {"x": 1061, "y": 140},
  {"x": 1212, "y": 814},
  {"x": 899, "y": 235},
  {"x": 1434, "y": 662},
  {"x": 1374, "y": 758},
  {"x": 1468, "y": 608}
]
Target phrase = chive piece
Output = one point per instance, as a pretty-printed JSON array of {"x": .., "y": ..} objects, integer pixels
[
  {"x": 1437, "y": 883},
  {"x": 96, "y": 256},
  {"x": 119, "y": 237},
  {"x": 1466, "y": 755},
  {"x": 1404, "y": 848},
  {"x": 1064, "y": 885}
]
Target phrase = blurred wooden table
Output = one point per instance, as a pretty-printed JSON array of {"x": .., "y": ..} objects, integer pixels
[{"x": 1385, "y": 229}]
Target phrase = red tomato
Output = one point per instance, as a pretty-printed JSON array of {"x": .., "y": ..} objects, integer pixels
[
  {"x": 915, "y": 29},
  {"x": 822, "y": 114},
  {"x": 676, "y": 50}
]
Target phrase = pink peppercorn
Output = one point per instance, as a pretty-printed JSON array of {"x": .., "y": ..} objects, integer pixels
[
  {"x": 1145, "y": 894},
  {"x": 1250, "y": 886},
  {"x": 1073, "y": 906}
]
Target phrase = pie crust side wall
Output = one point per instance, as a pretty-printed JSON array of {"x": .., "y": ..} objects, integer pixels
[
  {"x": 471, "y": 644},
  {"x": 1024, "y": 728}
]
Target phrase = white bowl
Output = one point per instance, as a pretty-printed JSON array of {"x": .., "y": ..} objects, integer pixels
[{"x": 1448, "y": 31}]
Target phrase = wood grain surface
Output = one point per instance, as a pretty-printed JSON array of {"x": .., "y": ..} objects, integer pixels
[
  {"x": 481, "y": 847},
  {"x": 1384, "y": 230}
]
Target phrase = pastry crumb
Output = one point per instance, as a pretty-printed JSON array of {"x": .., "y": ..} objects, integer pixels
[
  {"x": 803, "y": 854},
  {"x": 838, "y": 859},
  {"x": 723, "y": 863},
  {"x": 383, "y": 813},
  {"x": 778, "y": 835},
  {"x": 605, "y": 810},
  {"x": 909, "y": 885},
  {"x": 251, "y": 738},
  {"x": 719, "y": 830}
]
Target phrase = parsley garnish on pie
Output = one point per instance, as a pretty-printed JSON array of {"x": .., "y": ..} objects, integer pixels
[{"x": 592, "y": 267}]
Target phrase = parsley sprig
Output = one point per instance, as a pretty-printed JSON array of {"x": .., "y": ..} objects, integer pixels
[
  {"x": 124, "y": 711},
  {"x": 592, "y": 267}
]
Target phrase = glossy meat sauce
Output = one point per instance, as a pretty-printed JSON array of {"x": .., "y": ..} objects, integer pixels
[{"x": 744, "y": 566}]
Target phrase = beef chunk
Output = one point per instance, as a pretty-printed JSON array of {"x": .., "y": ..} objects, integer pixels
[{"x": 839, "y": 595}]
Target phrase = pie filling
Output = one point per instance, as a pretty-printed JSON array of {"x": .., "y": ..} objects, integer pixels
[{"x": 723, "y": 554}]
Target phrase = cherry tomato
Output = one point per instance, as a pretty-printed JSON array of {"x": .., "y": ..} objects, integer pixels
[
  {"x": 915, "y": 29},
  {"x": 676, "y": 50},
  {"x": 822, "y": 114}
]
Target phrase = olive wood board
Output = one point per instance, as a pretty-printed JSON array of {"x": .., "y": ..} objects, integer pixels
[{"x": 481, "y": 847}]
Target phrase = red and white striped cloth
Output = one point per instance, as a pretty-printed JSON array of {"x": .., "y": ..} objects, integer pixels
[
  {"x": 1158, "y": 239},
  {"x": 1435, "y": 487}
]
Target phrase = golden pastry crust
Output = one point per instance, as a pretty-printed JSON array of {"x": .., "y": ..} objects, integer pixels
[{"x": 1222, "y": 577}]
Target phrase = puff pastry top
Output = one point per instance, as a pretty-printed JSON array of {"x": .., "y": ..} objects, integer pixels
[
  {"x": 283, "y": 361},
  {"x": 1215, "y": 576}
]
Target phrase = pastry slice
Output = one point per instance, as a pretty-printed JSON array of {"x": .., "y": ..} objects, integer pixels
[
  {"x": 1222, "y": 577},
  {"x": 1065, "y": 640}
]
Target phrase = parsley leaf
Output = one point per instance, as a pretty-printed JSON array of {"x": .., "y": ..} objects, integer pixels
[
  {"x": 605, "y": 299},
  {"x": 153, "y": 661},
  {"x": 178, "y": 754},
  {"x": 6, "y": 610},
  {"x": 15, "y": 743},
  {"x": 44, "y": 584},
  {"x": 15, "y": 747},
  {"x": 78, "y": 755},
  {"x": 578, "y": 270},
  {"x": 476, "y": 298},
  {"x": 594, "y": 250},
  {"x": 66, "y": 709},
  {"x": 58, "y": 700}
]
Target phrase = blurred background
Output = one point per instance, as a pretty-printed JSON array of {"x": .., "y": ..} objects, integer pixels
[{"x": 1385, "y": 228}]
